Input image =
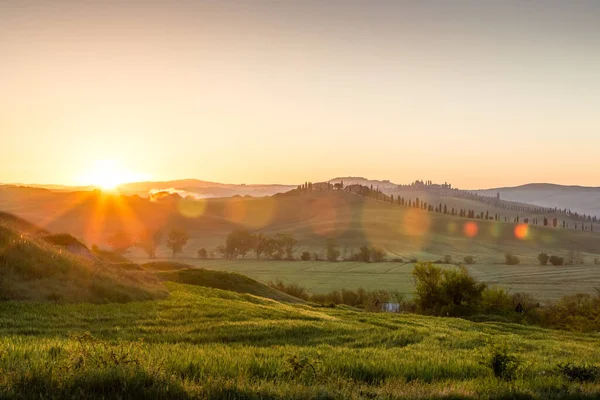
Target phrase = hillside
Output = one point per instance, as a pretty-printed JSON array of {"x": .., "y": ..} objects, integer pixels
[
  {"x": 31, "y": 268},
  {"x": 208, "y": 343},
  {"x": 233, "y": 282},
  {"x": 311, "y": 217},
  {"x": 581, "y": 199}
]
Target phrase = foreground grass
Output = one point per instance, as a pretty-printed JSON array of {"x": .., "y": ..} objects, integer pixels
[{"x": 208, "y": 343}]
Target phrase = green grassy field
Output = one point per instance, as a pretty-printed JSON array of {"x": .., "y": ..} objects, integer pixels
[
  {"x": 544, "y": 282},
  {"x": 208, "y": 343}
]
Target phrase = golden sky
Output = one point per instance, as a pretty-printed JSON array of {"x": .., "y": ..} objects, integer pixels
[{"x": 479, "y": 94}]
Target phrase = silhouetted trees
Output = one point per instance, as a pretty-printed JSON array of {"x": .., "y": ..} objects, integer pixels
[
  {"x": 176, "y": 240},
  {"x": 149, "y": 240}
]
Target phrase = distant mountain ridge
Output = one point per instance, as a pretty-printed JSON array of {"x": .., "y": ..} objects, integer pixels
[{"x": 581, "y": 199}]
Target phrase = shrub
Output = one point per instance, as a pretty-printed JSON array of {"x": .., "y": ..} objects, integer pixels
[
  {"x": 496, "y": 301},
  {"x": 447, "y": 292},
  {"x": 511, "y": 259},
  {"x": 305, "y": 256},
  {"x": 543, "y": 258},
  {"x": 447, "y": 259},
  {"x": 580, "y": 373},
  {"x": 556, "y": 260},
  {"x": 469, "y": 260},
  {"x": 293, "y": 289},
  {"x": 504, "y": 365}
]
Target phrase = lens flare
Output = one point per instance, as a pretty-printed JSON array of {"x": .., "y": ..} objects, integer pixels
[
  {"x": 452, "y": 227},
  {"x": 522, "y": 231},
  {"x": 191, "y": 208},
  {"x": 471, "y": 229},
  {"x": 496, "y": 230},
  {"x": 331, "y": 216},
  {"x": 416, "y": 222},
  {"x": 235, "y": 210}
]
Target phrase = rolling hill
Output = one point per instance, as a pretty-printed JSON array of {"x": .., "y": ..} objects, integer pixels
[
  {"x": 351, "y": 219},
  {"x": 32, "y": 268}
]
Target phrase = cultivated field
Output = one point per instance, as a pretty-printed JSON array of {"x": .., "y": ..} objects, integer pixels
[
  {"x": 207, "y": 343},
  {"x": 544, "y": 282}
]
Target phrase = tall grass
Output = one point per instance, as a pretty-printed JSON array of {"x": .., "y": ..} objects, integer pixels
[{"x": 208, "y": 343}]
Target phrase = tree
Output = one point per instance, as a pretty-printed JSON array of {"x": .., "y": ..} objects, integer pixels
[
  {"x": 364, "y": 254},
  {"x": 305, "y": 256},
  {"x": 286, "y": 243},
  {"x": 177, "y": 240},
  {"x": 543, "y": 258},
  {"x": 428, "y": 293},
  {"x": 333, "y": 253},
  {"x": 238, "y": 243},
  {"x": 377, "y": 254},
  {"x": 120, "y": 242},
  {"x": 149, "y": 240},
  {"x": 202, "y": 254},
  {"x": 447, "y": 259},
  {"x": 261, "y": 243}
]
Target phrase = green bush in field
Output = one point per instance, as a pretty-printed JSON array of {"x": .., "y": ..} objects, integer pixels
[
  {"x": 305, "y": 256},
  {"x": 580, "y": 373},
  {"x": 556, "y": 260},
  {"x": 469, "y": 260},
  {"x": 446, "y": 292},
  {"x": 543, "y": 258},
  {"x": 511, "y": 259},
  {"x": 503, "y": 364}
]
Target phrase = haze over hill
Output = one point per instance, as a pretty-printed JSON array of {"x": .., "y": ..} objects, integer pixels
[{"x": 582, "y": 199}]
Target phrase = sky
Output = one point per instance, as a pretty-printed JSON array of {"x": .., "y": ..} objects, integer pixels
[{"x": 476, "y": 93}]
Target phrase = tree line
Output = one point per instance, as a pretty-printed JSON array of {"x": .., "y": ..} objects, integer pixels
[
  {"x": 441, "y": 208},
  {"x": 455, "y": 293}
]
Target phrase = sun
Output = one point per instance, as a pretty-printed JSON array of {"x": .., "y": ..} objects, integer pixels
[{"x": 108, "y": 175}]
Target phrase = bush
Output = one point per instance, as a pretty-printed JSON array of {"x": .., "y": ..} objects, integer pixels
[
  {"x": 446, "y": 292},
  {"x": 305, "y": 256},
  {"x": 469, "y": 260},
  {"x": 580, "y": 373},
  {"x": 447, "y": 259},
  {"x": 556, "y": 260},
  {"x": 293, "y": 289},
  {"x": 511, "y": 259},
  {"x": 504, "y": 365},
  {"x": 543, "y": 258}
]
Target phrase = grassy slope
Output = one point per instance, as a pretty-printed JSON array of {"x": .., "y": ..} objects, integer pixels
[
  {"x": 183, "y": 273},
  {"x": 33, "y": 269},
  {"x": 216, "y": 344}
]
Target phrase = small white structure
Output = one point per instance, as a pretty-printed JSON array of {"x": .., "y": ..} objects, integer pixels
[{"x": 390, "y": 307}]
